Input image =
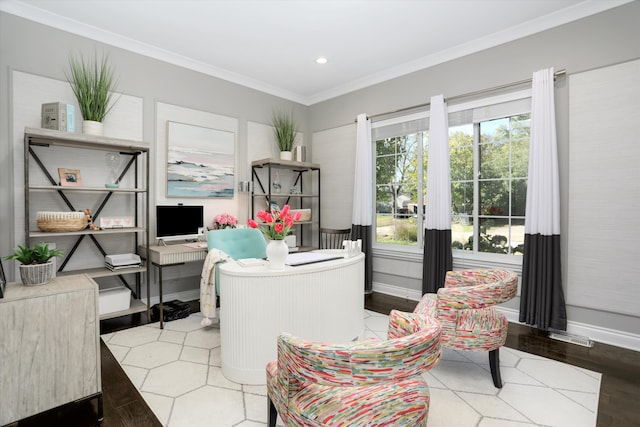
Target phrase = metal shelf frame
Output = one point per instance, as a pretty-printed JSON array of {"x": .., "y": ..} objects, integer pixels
[{"x": 36, "y": 141}]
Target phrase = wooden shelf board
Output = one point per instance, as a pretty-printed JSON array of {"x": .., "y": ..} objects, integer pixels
[{"x": 104, "y": 231}]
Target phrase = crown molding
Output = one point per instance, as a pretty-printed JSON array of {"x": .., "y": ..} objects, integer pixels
[{"x": 564, "y": 16}]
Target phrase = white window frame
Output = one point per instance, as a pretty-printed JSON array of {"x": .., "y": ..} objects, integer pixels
[{"x": 461, "y": 257}]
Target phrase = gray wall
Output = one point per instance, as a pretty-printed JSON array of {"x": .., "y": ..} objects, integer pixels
[
  {"x": 41, "y": 50},
  {"x": 602, "y": 40}
]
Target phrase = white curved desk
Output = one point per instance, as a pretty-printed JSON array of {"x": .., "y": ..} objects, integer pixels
[{"x": 320, "y": 302}]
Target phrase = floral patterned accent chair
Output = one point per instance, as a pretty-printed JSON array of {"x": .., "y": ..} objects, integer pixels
[
  {"x": 362, "y": 383},
  {"x": 464, "y": 309}
]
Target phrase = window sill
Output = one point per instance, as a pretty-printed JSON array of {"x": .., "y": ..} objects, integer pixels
[{"x": 461, "y": 260}]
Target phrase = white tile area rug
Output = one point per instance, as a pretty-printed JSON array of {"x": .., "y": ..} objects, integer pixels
[{"x": 177, "y": 371}]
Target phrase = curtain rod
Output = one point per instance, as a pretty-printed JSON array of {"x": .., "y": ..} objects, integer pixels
[{"x": 465, "y": 95}]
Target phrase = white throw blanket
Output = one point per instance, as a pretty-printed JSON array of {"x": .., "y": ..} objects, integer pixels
[{"x": 208, "y": 285}]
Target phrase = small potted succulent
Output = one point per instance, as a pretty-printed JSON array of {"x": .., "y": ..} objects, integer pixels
[{"x": 36, "y": 267}]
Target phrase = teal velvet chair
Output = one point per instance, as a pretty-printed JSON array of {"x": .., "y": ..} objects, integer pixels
[{"x": 238, "y": 243}]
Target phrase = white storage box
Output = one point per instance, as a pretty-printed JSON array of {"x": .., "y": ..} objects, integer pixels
[{"x": 114, "y": 299}]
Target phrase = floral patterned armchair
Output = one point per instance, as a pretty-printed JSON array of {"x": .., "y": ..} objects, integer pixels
[
  {"x": 362, "y": 383},
  {"x": 464, "y": 309}
]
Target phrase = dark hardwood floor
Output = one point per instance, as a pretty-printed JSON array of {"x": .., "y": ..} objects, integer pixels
[{"x": 619, "y": 393}]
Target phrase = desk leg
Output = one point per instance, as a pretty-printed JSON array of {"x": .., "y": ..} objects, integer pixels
[{"x": 160, "y": 296}]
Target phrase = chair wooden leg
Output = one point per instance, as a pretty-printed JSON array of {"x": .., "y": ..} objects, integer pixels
[
  {"x": 494, "y": 364},
  {"x": 273, "y": 413}
]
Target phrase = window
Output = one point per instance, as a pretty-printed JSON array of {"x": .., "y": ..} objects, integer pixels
[{"x": 489, "y": 152}]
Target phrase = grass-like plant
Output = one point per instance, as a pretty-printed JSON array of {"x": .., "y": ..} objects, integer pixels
[
  {"x": 285, "y": 130},
  {"x": 92, "y": 82},
  {"x": 39, "y": 254}
]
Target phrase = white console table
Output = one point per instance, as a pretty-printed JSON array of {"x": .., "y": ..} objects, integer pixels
[
  {"x": 169, "y": 256},
  {"x": 320, "y": 302}
]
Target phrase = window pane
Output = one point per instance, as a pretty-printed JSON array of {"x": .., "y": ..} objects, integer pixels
[
  {"x": 517, "y": 236},
  {"x": 518, "y": 197},
  {"x": 462, "y": 197},
  {"x": 494, "y": 198},
  {"x": 494, "y": 235},
  {"x": 397, "y": 189},
  {"x": 461, "y": 152},
  {"x": 462, "y": 232}
]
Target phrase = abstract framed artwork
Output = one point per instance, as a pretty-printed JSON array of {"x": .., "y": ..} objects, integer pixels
[{"x": 200, "y": 161}]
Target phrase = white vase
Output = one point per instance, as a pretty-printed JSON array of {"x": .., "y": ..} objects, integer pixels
[
  {"x": 277, "y": 251},
  {"x": 286, "y": 155},
  {"x": 36, "y": 274},
  {"x": 89, "y": 127}
]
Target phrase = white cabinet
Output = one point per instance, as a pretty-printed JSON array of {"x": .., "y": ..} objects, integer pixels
[
  {"x": 49, "y": 346},
  {"x": 47, "y": 151}
]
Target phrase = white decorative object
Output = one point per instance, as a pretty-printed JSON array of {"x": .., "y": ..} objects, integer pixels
[
  {"x": 353, "y": 248},
  {"x": 89, "y": 127},
  {"x": 286, "y": 155},
  {"x": 277, "y": 251}
]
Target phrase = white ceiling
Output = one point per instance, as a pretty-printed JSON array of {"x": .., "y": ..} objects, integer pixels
[{"x": 271, "y": 45}]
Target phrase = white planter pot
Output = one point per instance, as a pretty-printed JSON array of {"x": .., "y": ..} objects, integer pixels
[
  {"x": 286, "y": 155},
  {"x": 89, "y": 127},
  {"x": 36, "y": 274}
]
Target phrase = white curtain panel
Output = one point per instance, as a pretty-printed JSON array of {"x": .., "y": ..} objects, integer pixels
[
  {"x": 438, "y": 207},
  {"x": 543, "y": 190},
  {"x": 363, "y": 179}
]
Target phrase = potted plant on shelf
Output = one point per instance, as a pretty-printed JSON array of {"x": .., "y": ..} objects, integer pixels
[
  {"x": 92, "y": 83},
  {"x": 286, "y": 132},
  {"x": 36, "y": 267}
]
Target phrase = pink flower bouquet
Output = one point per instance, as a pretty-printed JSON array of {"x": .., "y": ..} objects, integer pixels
[
  {"x": 276, "y": 226},
  {"x": 223, "y": 221}
]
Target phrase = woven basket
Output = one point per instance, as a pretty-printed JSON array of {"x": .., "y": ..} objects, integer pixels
[
  {"x": 305, "y": 214},
  {"x": 61, "y": 221}
]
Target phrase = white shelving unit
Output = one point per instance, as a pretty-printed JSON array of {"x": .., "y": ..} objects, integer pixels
[{"x": 44, "y": 150}]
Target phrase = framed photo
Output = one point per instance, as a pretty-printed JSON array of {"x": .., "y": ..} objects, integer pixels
[
  {"x": 69, "y": 177},
  {"x": 200, "y": 161},
  {"x": 3, "y": 280}
]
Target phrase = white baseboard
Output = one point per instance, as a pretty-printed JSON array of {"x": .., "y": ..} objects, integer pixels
[
  {"x": 595, "y": 333},
  {"x": 397, "y": 291}
]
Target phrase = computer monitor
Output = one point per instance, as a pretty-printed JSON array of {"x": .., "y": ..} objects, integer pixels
[{"x": 178, "y": 222}]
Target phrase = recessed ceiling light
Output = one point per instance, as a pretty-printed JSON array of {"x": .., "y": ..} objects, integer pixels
[{"x": 321, "y": 60}]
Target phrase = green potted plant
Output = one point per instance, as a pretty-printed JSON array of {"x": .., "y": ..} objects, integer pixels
[
  {"x": 286, "y": 132},
  {"x": 36, "y": 267},
  {"x": 92, "y": 83}
]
